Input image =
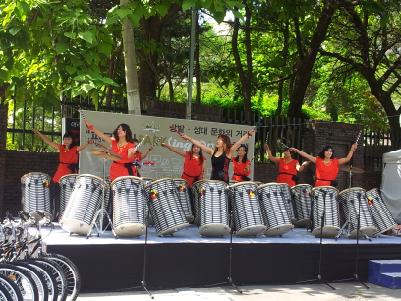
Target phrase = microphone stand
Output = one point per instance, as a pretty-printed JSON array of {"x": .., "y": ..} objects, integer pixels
[
  {"x": 143, "y": 281},
  {"x": 319, "y": 278}
]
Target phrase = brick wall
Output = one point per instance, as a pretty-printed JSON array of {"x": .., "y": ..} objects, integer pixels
[{"x": 13, "y": 165}]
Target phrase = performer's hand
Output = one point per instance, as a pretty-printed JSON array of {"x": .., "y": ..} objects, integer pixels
[
  {"x": 183, "y": 136},
  {"x": 251, "y": 132},
  {"x": 266, "y": 147},
  {"x": 293, "y": 149},
  {"x": 36, "y": 132},
  {"x": 354, "y": 147},
  {"x": 89, "y": 125}
]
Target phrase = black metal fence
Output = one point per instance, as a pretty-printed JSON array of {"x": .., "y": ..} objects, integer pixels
[{"x": 275, "y": 131}]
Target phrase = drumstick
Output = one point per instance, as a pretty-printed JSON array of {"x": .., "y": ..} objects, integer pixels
[
  {"x": 140, "y": 143},
  {"x": 357, "y": 138}
]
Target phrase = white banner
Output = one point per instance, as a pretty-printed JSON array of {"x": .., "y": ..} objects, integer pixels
[{"x": 157, "y": 130}]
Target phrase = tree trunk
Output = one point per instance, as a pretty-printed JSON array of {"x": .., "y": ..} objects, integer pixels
[
  {"x": 3, "y": 125},
  {"x": 245, "y": 76},
  {"x": 306, "y": 61},
  {"x": 197, "y": 70},
  {"x": 131, "y": 75},
  {"x": 148, "y": 76},
  {"x": 284, "y": 54}
]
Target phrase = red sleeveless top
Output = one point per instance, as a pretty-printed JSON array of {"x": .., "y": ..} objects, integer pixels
[
  {"x": 325, "y": 173},
  {"x": 121, "y": 168},
  {"x": 286, "y": 172},
  {"x": 67, "y": 157},
  {"x": 192, "y": 170}
]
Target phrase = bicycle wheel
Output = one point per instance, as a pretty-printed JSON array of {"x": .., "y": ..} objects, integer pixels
[
  {"x": 48, "y": 276},
  {"x": 38, "y": 278},
  {"x": 58, "y": 273},
  {"x": 71, "y": 272},
  {"x": 12, "y": 288},
  {"x": 4, "y": 293},
  {"x": 23, "y": 279}
]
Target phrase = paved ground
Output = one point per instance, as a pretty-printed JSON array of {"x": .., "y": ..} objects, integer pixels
[{"x": 344, "y": 291}]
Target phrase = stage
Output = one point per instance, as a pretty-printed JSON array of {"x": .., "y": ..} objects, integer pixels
[{"x": 188, "y": 260}]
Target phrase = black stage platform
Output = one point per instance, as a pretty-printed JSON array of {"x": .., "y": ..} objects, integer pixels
[{"x": 186, "y": 259}]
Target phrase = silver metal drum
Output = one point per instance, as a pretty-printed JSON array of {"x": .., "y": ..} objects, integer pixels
[
  {"x": 274, "y": 211},
  {"x": 165, "y": 207},
  {"x": 184, "y": 196},
  {"x": 301, "y": 194},
  {"x": 196, "y": 194},
  {"x": 128, "y": 206},
  {"x": 382, "y": 217},
  {"x": 66, "y": 183},
  {"x": 247, "y": 215},
  {"x": 36, "y": 194},
  {"x": 287, "y": 198},
  {"x": 85, "y": 201},
  {"x": 325, "y": 200},
  {"x": 213, "y": 204},
  {"x": 351, "y": 200}
]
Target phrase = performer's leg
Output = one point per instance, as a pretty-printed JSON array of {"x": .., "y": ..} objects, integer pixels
[{"x": 55, "y": 200}]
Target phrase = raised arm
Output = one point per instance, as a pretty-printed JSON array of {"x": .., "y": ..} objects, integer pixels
[
  {"x": 45, "y": 139},
  {"x": 303, "y": 154},
  {"x": 147, "y": 152},
  {"x": 349, "y": 156},
  {"x": 270, "y": 155},
  {"x": 301, "y": 167},
  {"x": 197, "y": 143},
  {"x": 83, "y": 146},
  {"x": 241, "y": 140},
  {"x": 173, "y": 149},
  {"x": 98, "y": 133}
]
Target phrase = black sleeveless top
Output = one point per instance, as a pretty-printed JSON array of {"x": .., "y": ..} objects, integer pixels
[{"x": 220, "y": 167}]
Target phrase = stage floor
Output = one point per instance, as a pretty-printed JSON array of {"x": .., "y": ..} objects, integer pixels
[
  {"x": 191, "y": 235},
  {"x": 188, "y": 260}
]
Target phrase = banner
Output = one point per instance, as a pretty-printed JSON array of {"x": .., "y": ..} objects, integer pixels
[
  {"x": 71, "y": 126},
  {"x": 154, "y": 131}
]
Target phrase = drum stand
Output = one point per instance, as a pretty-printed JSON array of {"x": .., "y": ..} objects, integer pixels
[
  {"x": 98, "y": 220},
  {"x": 229, "y": 278},
  {"x": 319, "y": 275}
]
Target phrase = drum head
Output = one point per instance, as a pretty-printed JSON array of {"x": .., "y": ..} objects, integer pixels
[
  {"x": 130, "y": 230},
  {"x": 242, "y": 184},
  {"x": 254, "y": 230},
  {"x": 69, "y": 176},
  {"x": 174, "y": 229},
  {"x": 137, "y": 179},
  {"x": 75, "y": 226},
  {"x": 279, "y": 230},
  {"x": 327, "y": 232},
  {"x": 213, "y": 230}
]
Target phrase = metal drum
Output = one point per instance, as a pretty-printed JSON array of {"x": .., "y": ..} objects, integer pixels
[
  {"x": 36, "y": 194},
  {"x": 196, "y": 194},
  {"x": 184, "y": 196},
  {"x": 301, "y": 194},
  {"x": 274, "y": 211},
  {"x": 66, "y": 183},
  {"x": 324, "y": 200},
  {"x": 165, "y": 207},
  {"x": 351, "y": 200},
  {"x": 382, "y": 217},
  {"x": 287, "y": 198},
  {"x": 128, "y": 206},
  {"x": 213, "y": 205},
  {"x": 85, "y": 201},
  {"x": 247, "y": 216}
]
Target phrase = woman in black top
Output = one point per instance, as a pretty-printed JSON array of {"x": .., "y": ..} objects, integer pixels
[{"x": 221, "y": 154}]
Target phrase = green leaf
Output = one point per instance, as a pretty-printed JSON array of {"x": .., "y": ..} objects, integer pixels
[
  {"x": 187, "y": 4},
  {"x": 88, "y": 36},
  {"x": 71, "y": 69},
  {"x": 61, "y": 47},
  {"x": 71, "y": 35},
  {"x": 14, "y": 30}
]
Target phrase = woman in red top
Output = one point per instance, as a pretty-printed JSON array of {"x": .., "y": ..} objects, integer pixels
[
  {"x": 194, "y": 163},
  {"x": 122, "y": 145},
  {"x": 68, "y": 154},
  {"x": 326, "y": 165},
  {"x": 241, "y": 165},
  {"x": 288, "y": 167},
  {"x": 68, "y": 164}
]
